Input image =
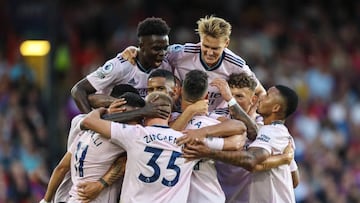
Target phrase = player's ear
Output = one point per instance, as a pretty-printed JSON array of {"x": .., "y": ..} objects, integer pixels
[
  {"x": 227, "y": 42},
  {"x": 254, "y": 99},
  {"x": 140, "y": 42}
]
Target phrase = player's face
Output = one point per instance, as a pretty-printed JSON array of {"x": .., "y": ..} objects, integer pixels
[
  {"x": 269, "y": 103},
  {"x": 212, "y": 49},
  {"x": 152, "y": 50},
  {"x": 244, "y": 97},
  {"x": 159, "y": 84}
]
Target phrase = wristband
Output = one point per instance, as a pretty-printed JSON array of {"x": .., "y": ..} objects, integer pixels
[
  {"x": 43, "y": 201},
  {"x": 215, "y": 142},
  {"x": 103, "y": 182},
  {"x": 232, "y": 102}
]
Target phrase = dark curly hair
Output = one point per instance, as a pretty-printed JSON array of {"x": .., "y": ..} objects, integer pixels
[
  {"x": 152, "y": 26},
  {"x": 241, "y": 80}
]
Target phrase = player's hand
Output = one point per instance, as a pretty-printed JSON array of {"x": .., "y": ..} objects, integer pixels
[
  {"x": 223, "y": 87},
  {"x": 130, "y": 54},
  {"x": 157, "y": 110},
  {"x": 116, "y": 106},
  {"x": 88, "y": 191},
  {"x": 196, "y": 150},
  {"x": 289, "y": 151},
  {"x": 97, "y": 113},
  {"x": 200, "y": 107},
  {"x": 191, "y": 135}
]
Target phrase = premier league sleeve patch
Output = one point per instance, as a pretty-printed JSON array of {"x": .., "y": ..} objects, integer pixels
[
  {"x": 105, "y": 70},
  {"x": 175, "y": 48}
]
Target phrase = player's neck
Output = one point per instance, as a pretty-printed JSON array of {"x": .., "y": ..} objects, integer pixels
[
  {"x": 156, "y": 121},
  {"x": 273, "y": 119}
]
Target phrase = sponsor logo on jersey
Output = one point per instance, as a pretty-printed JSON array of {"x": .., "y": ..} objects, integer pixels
[
  {"x": 142, "y": 92},
  {"x": 132, "y": 82},
  {"x": 263, "y": 138}
]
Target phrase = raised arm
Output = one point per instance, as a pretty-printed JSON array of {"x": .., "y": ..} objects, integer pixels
[
  {"x": 57, "y": 176},
  {"x": 240, "y": 114},
  {"x": 100, "y": 100},
  {"x": 80, "y": 92},
  {"x": 199, "y": 107},
  {"x": 93, "y": 121},
  {"x": 237, "y": 112},
  {"x": 149, "y": 110}
]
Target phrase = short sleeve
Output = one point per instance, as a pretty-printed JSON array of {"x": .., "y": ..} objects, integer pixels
[
  {"x": 74, "y": 129},
  {"x": 272, "y": 139},
  {"x": 293, "y": 165},
  {"x": 114, "y": 71},
  {"x": 123, "y": 134}
]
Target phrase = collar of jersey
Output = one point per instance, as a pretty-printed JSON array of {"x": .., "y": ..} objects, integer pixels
[
  {"x": 217, "y": 65},
  {"x": 160, "y": 126},
  {"x": 141, "y": 67}
]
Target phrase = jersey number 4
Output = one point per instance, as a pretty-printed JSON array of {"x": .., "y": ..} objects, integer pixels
[
  {"x": 80, "y": 154},
  {"x": 152, "y": 163}
]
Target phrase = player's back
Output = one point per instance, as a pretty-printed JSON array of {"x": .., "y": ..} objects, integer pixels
[
  {"x": 155, "y": 172},
  {"x": 62, "y": 193},
  {"x": 92, "y": 156},
  {"x": 204, "y": 187}
]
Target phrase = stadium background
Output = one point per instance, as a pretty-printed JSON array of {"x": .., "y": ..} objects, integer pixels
[{"x": 312, "y": 46}]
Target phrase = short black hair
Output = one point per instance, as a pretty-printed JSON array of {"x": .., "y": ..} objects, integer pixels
[
  {"x": 290, "y": 97},
  {"x": 152, "y": 26},
  {"x": 120, "y": 89},
  {"x": 132, "y": 99},
  {"x": 169, "y": 76},
  {"x": 194, "y": 85}
]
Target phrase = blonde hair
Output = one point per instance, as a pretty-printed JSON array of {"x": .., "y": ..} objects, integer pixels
[{"x": 214, "y": 27}]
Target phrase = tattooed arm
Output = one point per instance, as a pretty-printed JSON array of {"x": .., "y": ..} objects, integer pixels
[
  {"x": 90, "y": 190},
  {"x": 239, "y": 114},
  {"x": 246, "y": 159}
]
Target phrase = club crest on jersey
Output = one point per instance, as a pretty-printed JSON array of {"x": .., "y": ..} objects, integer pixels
[{"x": 105, "y": 70}]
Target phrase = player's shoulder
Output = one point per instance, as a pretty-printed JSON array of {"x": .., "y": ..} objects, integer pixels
[
  {"x": 275, "y": 130},
  {"x": 76, "y": 119},
  {"x": 192, "y": 48},
  {"x": 184, "y": 48},
  {"x": 233, "y": 58}
]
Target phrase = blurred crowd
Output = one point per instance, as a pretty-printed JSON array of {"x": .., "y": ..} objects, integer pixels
[{"x": 312, "y": 46}]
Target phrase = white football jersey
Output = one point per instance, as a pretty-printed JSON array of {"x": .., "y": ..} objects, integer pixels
[
  {"x": 155, "y": 171},
  {"x": 184, "y": 58},
  {"x": 62, "y": 193},
  {"x": 277, "y": 181},
  {"x": 92, "y": 156},
  {"x": 204, "y": 187},
  {"x": 120, "y": 71}
]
